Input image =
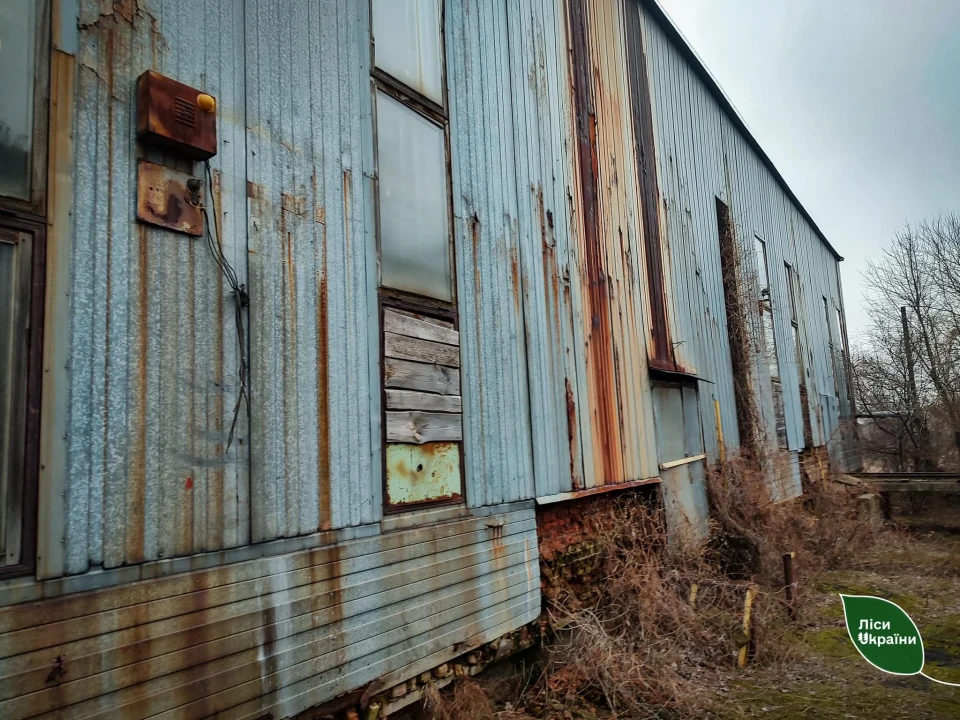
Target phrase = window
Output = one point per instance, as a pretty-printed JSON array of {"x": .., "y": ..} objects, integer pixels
[
  {"x": 766, "y": 309},
  {"x": 22, "y": 234},
  {"x": 408, "y": 44},
  {"x": 414, "y": 235},
  {"x": 843, "y": 349},
  {"x": 17, "y": 66},
  {"x": 830, "y": 348},
  {"x": 420, "y": 338},
  {"x": 793, "y": 288},
  {"x": 20, "y": 320},
  {"x": 769, "y": 341},
  {"x": 414, "y": 197}
]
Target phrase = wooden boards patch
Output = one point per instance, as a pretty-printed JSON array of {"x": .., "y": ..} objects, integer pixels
[
  {"x": 421, "y": 378},
  {"x": 422, "y": 408}
]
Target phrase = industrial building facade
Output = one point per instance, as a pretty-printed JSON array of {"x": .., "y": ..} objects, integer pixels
[{"x": 307, "y": 306}]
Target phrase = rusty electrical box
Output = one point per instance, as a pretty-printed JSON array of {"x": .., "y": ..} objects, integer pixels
[
  {"x": 176, "y": 117},
  {"x": 169, "y": 199}
]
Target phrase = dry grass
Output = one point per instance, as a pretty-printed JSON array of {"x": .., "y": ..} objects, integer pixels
[{"x": 643, "y": 650}]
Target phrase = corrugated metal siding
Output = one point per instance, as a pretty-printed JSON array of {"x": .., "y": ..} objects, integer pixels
[
  {"x": 551, "y": 403},
  {"x": 307, "y": 261},
  {"x": 629, "y": 437},
  {"x": 496, "y": 398},
  {"x": 702, "y": 155},
  {"x": 691, "y": 163},
  {"x": 152, "y": 341},
  {"x": 153, "y": 351},
  {"x": 272, "y": 636}
]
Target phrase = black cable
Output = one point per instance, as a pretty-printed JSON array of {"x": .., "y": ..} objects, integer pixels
[{"x": 241, "y": 300}]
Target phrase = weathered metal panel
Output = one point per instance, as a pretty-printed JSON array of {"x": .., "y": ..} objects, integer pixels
[
  {"x": 153, "y": 345},
  {"x": 272, "y": 635},
  {"x": 496, "y": 401},
  {"x": 551, "y": 271},
  {"x": 417, "y": 473},
  {"x": 609, "y": 243},
  {"x": 691, "y": 166},
  {"x": 677, "y": 417},
  {"x": 152, "y": 358},
  {"x": 312, "y": 440}
]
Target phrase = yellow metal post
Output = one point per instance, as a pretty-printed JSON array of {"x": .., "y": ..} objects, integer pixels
[
  {"x": 745, "y": 648},
  {"x": 720, "y": 448}
]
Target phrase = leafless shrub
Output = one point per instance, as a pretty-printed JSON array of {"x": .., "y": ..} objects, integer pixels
[
  {"x": 823, "y": 527},
  {"x": 650, "y": 647}
]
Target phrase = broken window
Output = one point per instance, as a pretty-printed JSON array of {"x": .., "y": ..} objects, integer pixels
[
  {"x": 830, "y": 347},
  {"x": 738, "y": 304},
  {"x": 796, "y": 302},
  {"x": 793, "y": 288},
  {"x": 769, "y": 340}
]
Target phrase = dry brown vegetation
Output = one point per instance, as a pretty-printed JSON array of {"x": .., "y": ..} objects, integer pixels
[{"x": 643, "y": 648}]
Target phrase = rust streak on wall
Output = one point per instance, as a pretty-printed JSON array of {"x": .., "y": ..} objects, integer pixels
[
  {"x": 642, "y": 114},
  {"x": 323, "y": 393},
  {"x": 572, "y": 434},
  {"x": 138, "y": 464},
  {"x": 215, "y": 500},
  {"x": 602, "y": 386}
]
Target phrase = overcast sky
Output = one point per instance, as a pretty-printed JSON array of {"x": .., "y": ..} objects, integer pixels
[{"x": 857, "y": 102}]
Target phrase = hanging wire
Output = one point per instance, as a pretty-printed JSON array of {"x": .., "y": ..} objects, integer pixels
[{"x": 241, "y": 301}]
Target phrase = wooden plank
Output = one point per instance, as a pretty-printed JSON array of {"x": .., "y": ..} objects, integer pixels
[
  {"x": 421, "y": 427},
  {"x": 426, "y": 318},
  {"x": 412, "y": 327},
  {"x": 412, "y": 400},
  {"x": 682, "y": 461},
  {"x": 421, "y": 376},
  {"x": 407, "y": 348}
]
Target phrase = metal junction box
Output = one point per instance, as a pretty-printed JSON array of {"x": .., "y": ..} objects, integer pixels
[{"x": 176, "y": 117}]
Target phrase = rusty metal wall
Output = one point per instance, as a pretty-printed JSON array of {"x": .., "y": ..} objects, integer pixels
[
  {"x": 273, "y": 636},
  {"x": 312, "y": 398},
  {"x": 153, "y": 347},
  {"x": 703, "y": 154},
  {"x": 152, "y": 350},
  {"x": 553, "y": 306},
  {"x": 496, "y": 397}
]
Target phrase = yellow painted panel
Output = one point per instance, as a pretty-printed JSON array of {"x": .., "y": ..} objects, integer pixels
[{"x": 420, "y": 473}]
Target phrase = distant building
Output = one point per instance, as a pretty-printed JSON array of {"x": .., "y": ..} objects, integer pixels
[{"x": 493, "y": 259}]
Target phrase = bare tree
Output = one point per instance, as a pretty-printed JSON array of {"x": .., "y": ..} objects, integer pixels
[{"x": 907, "y": 376}]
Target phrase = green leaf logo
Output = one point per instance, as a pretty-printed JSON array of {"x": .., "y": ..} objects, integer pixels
[{"x": 884, "y": 634}]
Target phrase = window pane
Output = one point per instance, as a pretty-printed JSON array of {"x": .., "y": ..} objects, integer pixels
[
  {"x": 407, "y": 40},
  {"x": 414, "y": 241},
  {"x": 14, "y": 306},
  {"x": 761, "y": 249},
  {"x": 16, "y": 90}
]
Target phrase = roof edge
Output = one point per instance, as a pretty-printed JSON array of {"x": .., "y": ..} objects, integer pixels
[{"x": 686, "y": 50}]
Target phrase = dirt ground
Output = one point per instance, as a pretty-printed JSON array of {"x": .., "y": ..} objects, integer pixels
[{"x": 827, "y": 678}]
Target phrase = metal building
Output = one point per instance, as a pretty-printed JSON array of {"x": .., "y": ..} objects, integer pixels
[{"x": 307, "y": 305}]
